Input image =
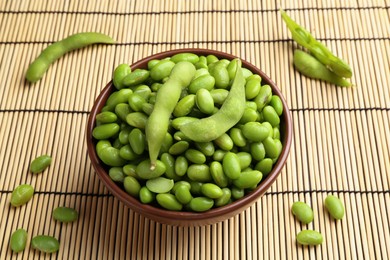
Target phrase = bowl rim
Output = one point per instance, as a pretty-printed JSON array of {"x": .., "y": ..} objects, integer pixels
[{"x": 186, "y": 216}]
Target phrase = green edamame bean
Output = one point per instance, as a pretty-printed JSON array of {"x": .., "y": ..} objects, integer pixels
[
  {"x": 118, "y": 97},
  {"x": 117, "y": 144},
  {"x": 204, "y": 101},
  {"x": 122, "y": 110},
  {"x": 199, "y": 73},
  {"x": 219, "y": 177},
  {"x": 254, "y": 76},
  {"x": 137, "y": 141},
  {"x": 237, "y": 193},
  {"x": 161, "y": 70},
  {"x": 46, "y": 244},
  {"x": 224, "y": 142},
  {"x": 207, "y": 148},
  {"x": 106, "y": 117},
  {"x": 185, "y": 56},
  {"x": 255, "y": 131},
  {"x": 18, "y": 240},
  {"x": 136, "y": 102},
  {"x": 249, "y": 115},
  {"x": 137, "y": 119},
  {"x": 184, "y": 106},
  {"x": 246, "y": 73},
  {"x": 102, "y": 144},
  {"x": 178, "y": 122},
  {"x": 51, "y": 53},
  {"x": 334, "y": 206},
  {"x": 123, "y": 136},
  {"x": 221, "y": 75},
  {"x": 205, "y": 81},
  {"x": 302, "y": 212},
  {"x": 218, "y": 155},
  {"x": 181, "y": 165},
  {"x": 199, "y": 172},
  {"x": 40, "y": 163},
  {"x": 130, "y": 170},
  {"x": 127, "y": 153},
  {"x": 158, "y": 122},
  {"x": 248, "y": 179},
  {"x": 231, "y": 165},
  {"x": 258, "y": 151},
  {"x": 264, "y": 97},
  {"x": 65, "y": 214},
  {"x": 136, "y": 77},
  {"x": 152, "y": 63},
  {"x": 105, "y": 131},
  {"x": 21, "y": 195},
  {"x": 231, "y": 68},
  {"x": 225, "y": 62},
  {"x": 179, "y": 147},
  {"x": 276, "y": 133},
  {"x": 167, "y": 143},
  {"x": 271, "y": 116},
  {"x": 265, "y": 166},
  {"x": 144, "y": 91},
  {"x": 180, "y": 183},
  {"x": 245, "y": 159},
  {"x": 159, "y": 185},
  {"x": 143, "y": 169},
  {"x": 273, "y": 147},
  {"x": 110, "y": 156},
  {"x": 312, "y": 68},
  {"x": 147, "y": 108},
  {"x": 179, "y": 136},
  {"x": 270, "y": 128},
  {"x": 219, "y": 95},
  {"x": 277, "y": 104},
  {"x": 146, "y": 196},
  {"x": 155, "y": 87},
  {"x": 202, "y": 63},
  {"x": 196, "y": 187},
  {"x": 195, "y": 156},
  {"x": 183, "y": 194},
  {"x": 116, "y": 174},
  {"x": 251, "y": 105},
  {"x": 224, "y": 199},
  {"x": 252, "y": 88},
  {"x": 169, "y": 162},
  {"x": 237, "y": 137},
  {"x": 309, "y": 237},
  {"x": 201, "y": 204},
  {"x": 132, "y": 186},
  {"x": 211, "y": 59},
  {"x": 169, "y": 201},
  {"x": 119, "y": 74},
  {"x": 211, "y": 191}
]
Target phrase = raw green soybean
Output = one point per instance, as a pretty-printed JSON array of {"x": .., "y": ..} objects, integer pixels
[
  {"x": 245, "y": 159},
  {"x": 207, "y": 148},
  {"x": 106, "y": 117},
  {"x": 273, "y": 147},
  {"x": 116, "y": 174},
  {"x": 137, "y": 119},
  {"x": 205, "y": 81},
  {"x": 181, "y": 165},
  {"x": 122, "y": 110},
  {"x": 271, "y": 116},
  {"x": 224, "y": 199},
  {"x": 161, "y": 70},
  {"x": 201, "y": 204},
  {"x": 255, "y": 131},
  {"x": 160, "y": 185},
  {"x": 309, "y": 237},
  {"x": 132, "y": 186},
  {"x": 183, "y": 194},
  {"x": 120, "y": 72},
  {"x": 127, "y": 153},
  {"x": 136, "y": 77},
  {"x": 334, "y": 206},
  {"x": 143, "y": 169},
  {"x": 136, "y": 102},
  {"x": 137, "y": 141},
  {"x": 248, "y": 179},
  {"x": 65, "y": 214},
  {"x": 169, "y": 162},
  {"x": 252, "y": 88},
  {"x": 237, "y": 137},
  {"x": 224, "y": 142},
  {"x": 265, "y": 166},
  {"x": 257, "y": 150},
  {"x": 219, "y": 177},
  {"x": 179, "y": 147},
  {"x": 204, "y": 101},
  {"x": 21, "y": 195},
  {"x": 184, "y": 106},
  {"x": 46, "y": 244},
  {"x": 237, "y": 193},
  {"x": 231, "y": 165},
  {"x": 195, "y": 156},
  {"x": 40, "y": 163},
  {"x": 211, "y": 190},
  {"x": 18, "y": 240},
  {"x": 186, "y": 56},
  {"x": 146, "y": 196},
  {"x": 199, "y": 172},
  {"x": 302, "y": 212},
  {"x": 277, "y": 104},
  {"x": 169, "y": 201}
]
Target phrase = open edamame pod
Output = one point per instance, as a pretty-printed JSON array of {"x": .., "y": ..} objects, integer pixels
[
  {"x": 312, "y": 68},
  {"x": 40, "y": 65},
  {"x": 231, "y": 111},
  {"x": 320, "y": 51}
]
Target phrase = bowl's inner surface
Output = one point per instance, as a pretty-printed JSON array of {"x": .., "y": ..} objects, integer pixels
[{"x": 216, "y": 213}]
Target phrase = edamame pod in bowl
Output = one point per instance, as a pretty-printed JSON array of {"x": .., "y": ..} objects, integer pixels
[{"x": 192, "y": 134}]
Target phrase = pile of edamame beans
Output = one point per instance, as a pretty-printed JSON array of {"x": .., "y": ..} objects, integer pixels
[{"x": 224, "y": 155}]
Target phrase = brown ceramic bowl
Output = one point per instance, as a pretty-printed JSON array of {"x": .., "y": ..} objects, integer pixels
[{"x": 189, "y": 218}]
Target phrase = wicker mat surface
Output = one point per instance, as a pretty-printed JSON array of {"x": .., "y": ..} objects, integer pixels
[{"x": 341, "y": 142}]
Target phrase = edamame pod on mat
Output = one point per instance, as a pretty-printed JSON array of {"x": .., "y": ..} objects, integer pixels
[{"x": 51, "y": 53}]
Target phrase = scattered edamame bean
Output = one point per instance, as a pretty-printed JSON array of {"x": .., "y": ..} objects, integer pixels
[
  {"x": 309, "y": 237},
  {"x": 334, "y": 206},
  {"x": 18, "y": 240},
  {"x": 65, "y": 214},
  {"x": 40, "y": 163},
  {"x": 302, "y": 212},
  {"x": 21, "y": 195},
  {"x": 46, "y": 244}
]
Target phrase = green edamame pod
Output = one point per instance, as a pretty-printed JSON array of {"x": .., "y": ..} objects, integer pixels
[
  {"x": 132, "y": 186},
  {"x": 40, "y": 163},
  {"x": 320, "y": 51},
  {"x": 201, "y": 204},
  {"x": 312, "y": 68},
  {"x": 157, "y": 124},
  {"x": 65, "y": 214},
  {"x": 18, "y": 240},
  {"x": 21, "y": 195},
  {"x": 208, "y": 129},
  {"x": 119, "y": 74},
  {"x": 309, "y": 237},
  {"x": 136, "y": 77},
  {"x": 302, "y": 212},
  {"x": 169, "y": 201},
  {"x": 54, "y": 51},
  {"x": 46, "y": 244},
  {"x": 334, "y": 206}
]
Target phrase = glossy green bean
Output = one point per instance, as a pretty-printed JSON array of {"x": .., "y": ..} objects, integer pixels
[
  {"x": 46, "y": 244},
  {"x": 40, "y": 163},
  {"x": 21, "y": 195},
  {"x": 18, "y": 240}
]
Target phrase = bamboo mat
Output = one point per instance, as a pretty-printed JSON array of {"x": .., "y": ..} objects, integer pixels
[{"x": 340, "y": 146}]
